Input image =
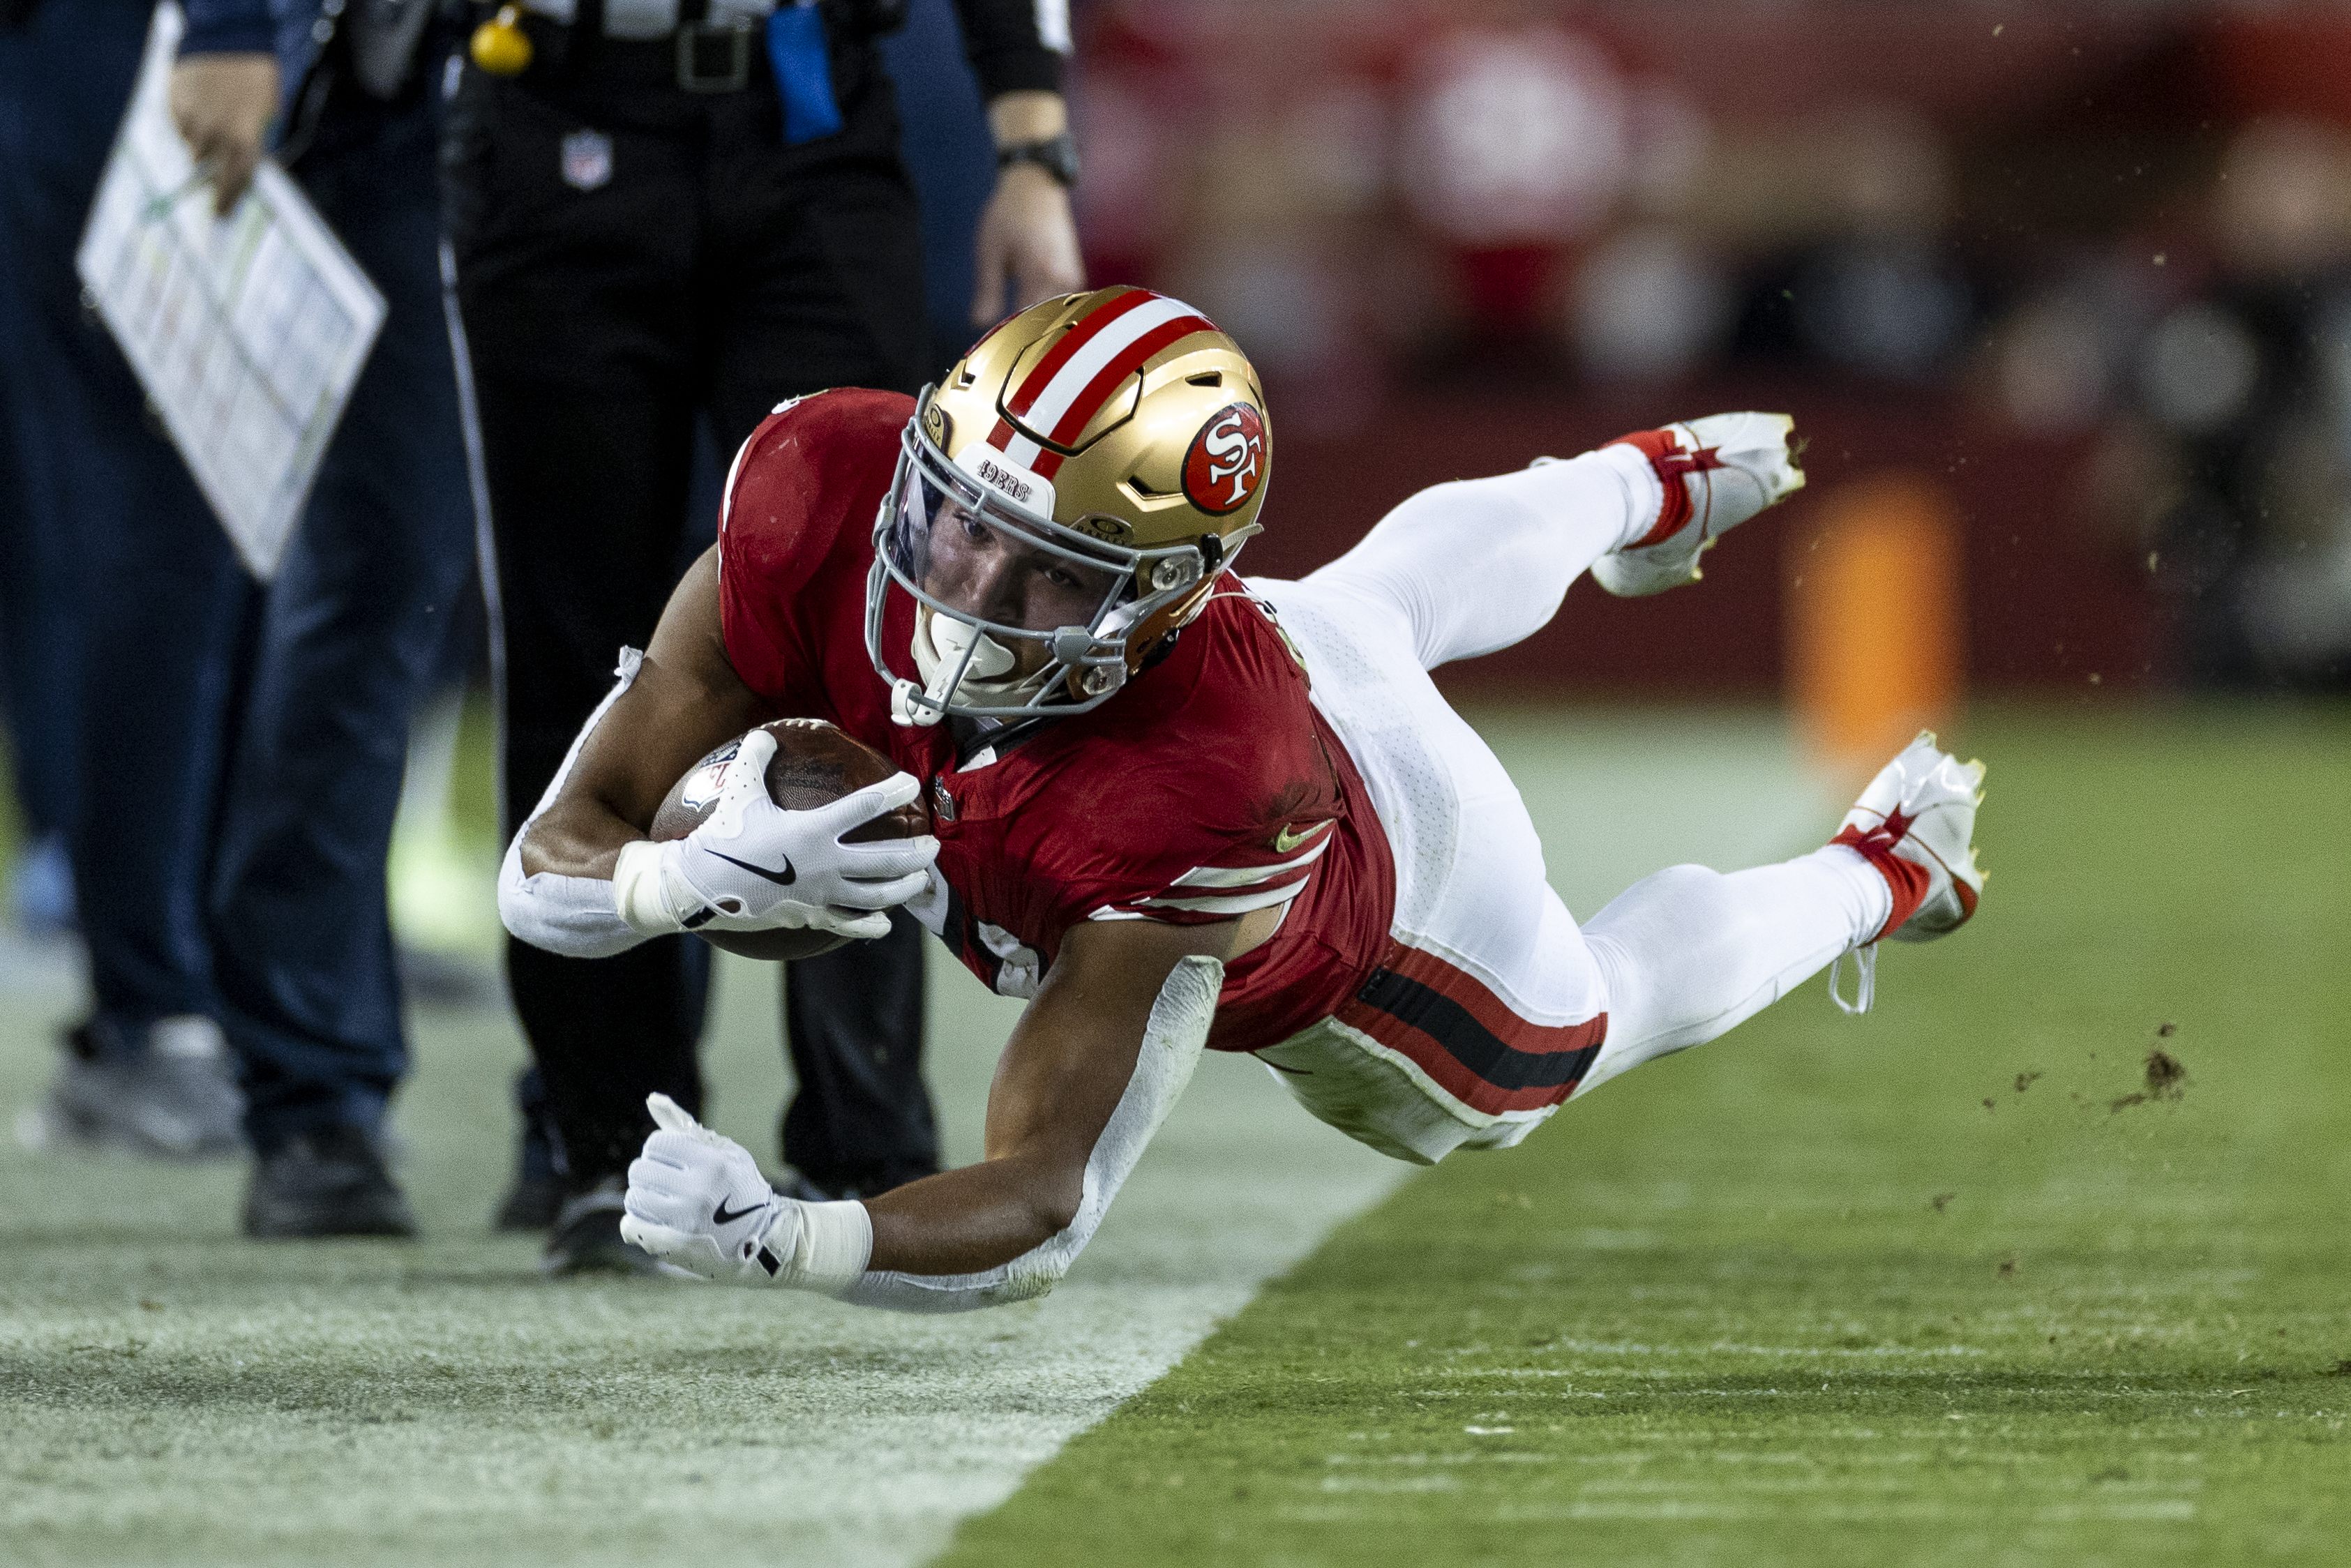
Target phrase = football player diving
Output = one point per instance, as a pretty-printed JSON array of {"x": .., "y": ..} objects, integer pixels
[{"x": 1174, "y": 808}]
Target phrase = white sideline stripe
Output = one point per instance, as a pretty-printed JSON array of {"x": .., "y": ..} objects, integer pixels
[
  {"x": 874, "y": 1435},
  {"x": 917, "y": 1424}
]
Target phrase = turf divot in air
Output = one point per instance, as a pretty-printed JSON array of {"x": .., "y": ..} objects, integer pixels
[{"x": 2166, "y": 1079}]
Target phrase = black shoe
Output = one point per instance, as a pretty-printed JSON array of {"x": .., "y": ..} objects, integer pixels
[
  {"x": 329, "y": 1182},
  {"x": 586, "y": 1237},
  {"x": 531, "y": 1204},
  {"x": 537, "y": 1195}
]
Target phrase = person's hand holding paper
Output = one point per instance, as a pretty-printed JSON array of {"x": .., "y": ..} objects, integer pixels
[{"x": 223, "y": 105}]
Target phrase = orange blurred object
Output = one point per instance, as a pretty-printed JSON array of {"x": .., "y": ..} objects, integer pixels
[{"x": 1875, "y": 646}]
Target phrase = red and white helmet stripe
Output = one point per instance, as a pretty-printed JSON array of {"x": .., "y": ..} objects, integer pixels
[{"x": 1068, "y": 387}]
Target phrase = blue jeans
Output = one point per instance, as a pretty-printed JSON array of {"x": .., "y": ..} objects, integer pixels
[
  {"x": 349, "y": 637},
  {"x": 123, "y": 596}
]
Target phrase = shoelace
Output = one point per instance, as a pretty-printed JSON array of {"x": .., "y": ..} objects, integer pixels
[{"x": 1865, "y": 963}]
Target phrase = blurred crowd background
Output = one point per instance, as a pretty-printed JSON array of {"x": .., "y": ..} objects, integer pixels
[
  {"x": 2075, "y": 274},
  {"x": 2072, "y": 279},
  {"x": 2059, "y": 294}
]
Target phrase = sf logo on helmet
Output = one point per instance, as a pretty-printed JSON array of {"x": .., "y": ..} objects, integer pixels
[{"x": 1226, "y": 460}]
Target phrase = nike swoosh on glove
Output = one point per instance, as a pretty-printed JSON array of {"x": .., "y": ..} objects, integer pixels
[
  {"x": 697, "y": 1199},
  {"x": 754, "y": 866}
]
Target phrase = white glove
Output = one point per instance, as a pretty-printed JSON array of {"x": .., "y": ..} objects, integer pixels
[
  {"x": 754, "y": 866},
  {"x": 697, "y": 1199}
]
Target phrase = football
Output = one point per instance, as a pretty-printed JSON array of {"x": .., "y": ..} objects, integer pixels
[{"x": 816, "y": 763}]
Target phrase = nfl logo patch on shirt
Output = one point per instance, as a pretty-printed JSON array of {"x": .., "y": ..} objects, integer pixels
[{"x": 587, "y": 160}]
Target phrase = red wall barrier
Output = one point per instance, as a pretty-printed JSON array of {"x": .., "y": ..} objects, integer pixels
[{"x": 2045, "y": 607}]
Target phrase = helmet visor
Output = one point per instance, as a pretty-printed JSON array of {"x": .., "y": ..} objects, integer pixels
[
  {"x": 1019, "y": 614},
  {"x": 965, "y": 555}
]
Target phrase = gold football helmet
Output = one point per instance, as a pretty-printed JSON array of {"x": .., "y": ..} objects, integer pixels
[{"x": 1116, "y": 441}]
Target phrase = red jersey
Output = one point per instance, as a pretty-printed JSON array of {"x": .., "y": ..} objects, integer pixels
[{"x": 1208, "y": 786}]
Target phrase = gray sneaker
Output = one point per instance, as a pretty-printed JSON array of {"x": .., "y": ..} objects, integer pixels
[{"x": 170, "y": 1096}]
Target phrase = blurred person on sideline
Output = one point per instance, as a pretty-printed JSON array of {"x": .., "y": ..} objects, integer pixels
[
  {"x": 347, "y": 639},
  {"x": 658, "y": 216},
  {"x": 2229, "y": 468},
  {"x": 1868, "y": 288},
  {"x": 122, "y": 604},
  {"x": 37, "y": 622}
]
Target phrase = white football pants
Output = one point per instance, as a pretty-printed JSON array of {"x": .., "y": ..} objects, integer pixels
[{"x": 1492, "y": 1007}]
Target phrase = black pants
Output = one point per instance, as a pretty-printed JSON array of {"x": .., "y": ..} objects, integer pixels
[{"x": 630, "y": 255}]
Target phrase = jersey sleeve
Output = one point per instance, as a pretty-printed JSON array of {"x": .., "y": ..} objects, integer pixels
[
  {"x": 1191, "y": 822},
  {"x": 1015, "y": 45},
  {"x": 793, "y": 535},
  {"x": 1232, "y": 879}
]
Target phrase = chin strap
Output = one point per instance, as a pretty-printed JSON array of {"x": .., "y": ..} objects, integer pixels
[
  {"x": 1171, "y": 1043},
  {"x": 910, "y": 708}
]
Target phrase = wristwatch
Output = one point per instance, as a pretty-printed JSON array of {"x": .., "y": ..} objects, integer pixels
[{"x": 1057, "y": 155}]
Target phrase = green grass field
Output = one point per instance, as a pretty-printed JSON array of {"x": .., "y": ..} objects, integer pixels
[
  {"x": 1911, "y": 1289},
  {"x": 1925, "y": 1287}
]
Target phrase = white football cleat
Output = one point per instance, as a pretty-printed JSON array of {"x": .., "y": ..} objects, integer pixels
[
  {"x": 1717, "y": 472},
  {"x": 1916, "y": 822}
]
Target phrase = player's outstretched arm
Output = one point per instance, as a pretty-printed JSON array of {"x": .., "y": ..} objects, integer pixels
[
  {"x": 582, "y": 879},
  {"x": 671, "y": 706},
  {"x": 683, "y": 701},
  {"x": 1092, "y": 1069},
  {"x": 1071, "y": 1059}
]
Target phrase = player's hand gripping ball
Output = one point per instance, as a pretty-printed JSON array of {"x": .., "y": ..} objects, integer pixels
[
  {"x": 697, "y": 1200},
  {"x": 791, "y": 840}
]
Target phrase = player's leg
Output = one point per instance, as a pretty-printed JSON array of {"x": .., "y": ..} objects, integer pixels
[
  {"x": 1492, "y": 1007},
  {"x": 1480, "y": 564},
  {"x": 354, "y": 627},
  {"x": 1688, "y": 953},
  {"x": 819, "y": 286},
  {"x": 579, "y": 315},
  {"x": 1488, "y": 1007}
]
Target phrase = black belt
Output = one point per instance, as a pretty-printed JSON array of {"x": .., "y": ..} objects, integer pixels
[
  {"x": 677, "y": 40},
  {"x": 644, "y": 20}
]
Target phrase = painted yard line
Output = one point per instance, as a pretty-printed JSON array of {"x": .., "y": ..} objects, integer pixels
[
  {"x": 866, "y": 1438},
  {"x": 929, "y": 1420}
]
